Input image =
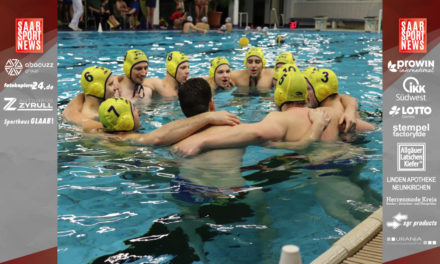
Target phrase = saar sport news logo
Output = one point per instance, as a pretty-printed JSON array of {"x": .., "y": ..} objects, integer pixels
[
  {"x": 412, "y": 35},
  {"x": 29, "y": 35},
  {"x": 410, "y": 111},
  {"x": 414, "y": 91}
]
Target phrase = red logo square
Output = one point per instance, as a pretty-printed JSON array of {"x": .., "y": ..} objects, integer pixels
[
  {"x": 29, "y": 35},
  {"x": 412, "y": 35}
]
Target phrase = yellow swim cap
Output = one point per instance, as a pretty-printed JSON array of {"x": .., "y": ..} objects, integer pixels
[
  {"x": 324, "y": 83},
  {"x": 280, "y": 39},
  {"x": 174, "y": 59},
  {"x": 93, "y": 80},
  {"x": 291, "y": 86},
  {"x": 116, "y": 114},
  {"x": 243, "y": 42},
  {"x": 215, "y": 63},
  {"x": 281, "y": 70},
  {"x": 133, "y": 57},
  {"x": 255, "y": 51},
  {"x": 308, "y": 71},
  {"x": 286, "y": 58}
]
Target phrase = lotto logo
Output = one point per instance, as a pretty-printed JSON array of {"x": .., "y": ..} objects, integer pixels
[
  {"x": 412, "y": 35},
  {"x": 29, "y": 35}
]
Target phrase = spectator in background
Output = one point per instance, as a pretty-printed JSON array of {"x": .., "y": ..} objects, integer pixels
[
  {"x": 178, "y": 18},
  {"x": 77, "y": 13},
  {"x": 125, "y": 12},
  {"x": 107, "y": 13},
  {"x": 198, "y": 6},
  {"x": 66, "y": 10},
  {"x": 94, "y": 9},
  {"x": 135, "y": 4},
  {"x": 204, "y": 11},
  {"x": 179, "y": 4},
  {"x": 151, "y": 5}
]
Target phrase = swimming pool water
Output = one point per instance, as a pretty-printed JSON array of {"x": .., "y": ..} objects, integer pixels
[{"x": 117, "y": 203}]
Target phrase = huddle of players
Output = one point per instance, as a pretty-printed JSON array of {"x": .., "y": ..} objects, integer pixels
[{"x": 294, "y": 91}]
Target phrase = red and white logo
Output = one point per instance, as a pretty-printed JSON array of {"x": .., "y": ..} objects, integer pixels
[
  {"x": 412, "y": 35},
  {"x": 29, "y": 35}
]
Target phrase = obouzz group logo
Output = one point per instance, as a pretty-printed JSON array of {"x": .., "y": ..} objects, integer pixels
[{"x": 13, "y": 67}]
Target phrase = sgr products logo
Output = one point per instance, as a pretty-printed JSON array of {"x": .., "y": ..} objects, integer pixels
[
  {"x": 414, "y": 91},
  {"x": 29, "y": 35},
  {"x": 410, "y": 111},
  {"x": 412, "y": 35},
  {"x": 411, "y": 131},
  {"x": 13, "y": 67},
  {"x": 411, "y": 66}
]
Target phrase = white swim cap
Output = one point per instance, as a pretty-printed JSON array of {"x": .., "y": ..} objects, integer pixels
[
  {"x": 258, "y": 28},
  {"x": 265, "y": 29},
  {"x": 204, "y": 20},
  {"x": 228, "y": 20},
  {"x": 189, "y": 18},
  {"x": 247, "y": 28},
  {"x": 223, "y": 27}
]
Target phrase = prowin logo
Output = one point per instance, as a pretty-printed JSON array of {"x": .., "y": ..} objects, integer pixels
[
  {"x": 410, "y": 111},
  {"x": 13, "y": 67},
  {"x": 411, "y": 66}
]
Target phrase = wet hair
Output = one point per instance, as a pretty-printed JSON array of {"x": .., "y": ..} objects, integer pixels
[{"x": 194, "y": 96}]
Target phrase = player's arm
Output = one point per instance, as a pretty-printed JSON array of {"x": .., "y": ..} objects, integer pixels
[
  {"x": 72, "y": 113},
  {"x": 319, "y": 119},
  {"x": 180, "y": 129},
  {"x": 349, "y": 118},
  {"x": 238, "y": 136}
]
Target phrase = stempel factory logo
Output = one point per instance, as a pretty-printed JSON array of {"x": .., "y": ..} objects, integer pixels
[
  {"x": 412, "y": 35},
  {"x": 29, "y": 35}
]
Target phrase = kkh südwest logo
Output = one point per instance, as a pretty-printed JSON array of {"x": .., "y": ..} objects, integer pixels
[
  {"x": 29, "y": 35},
  {"x": 13, "y": 67},
  {"x": 412, "y": 35},
  {"x": 410, "y": 111},
  {"x": 411, "y": 66}
]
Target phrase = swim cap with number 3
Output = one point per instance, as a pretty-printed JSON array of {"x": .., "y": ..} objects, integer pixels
[{"x": 324, "y": 82}]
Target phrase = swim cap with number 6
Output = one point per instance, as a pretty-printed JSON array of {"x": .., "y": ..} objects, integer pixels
[
  {"x": 93, "y": 81},
  {"x": 291, "y": 86}
]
